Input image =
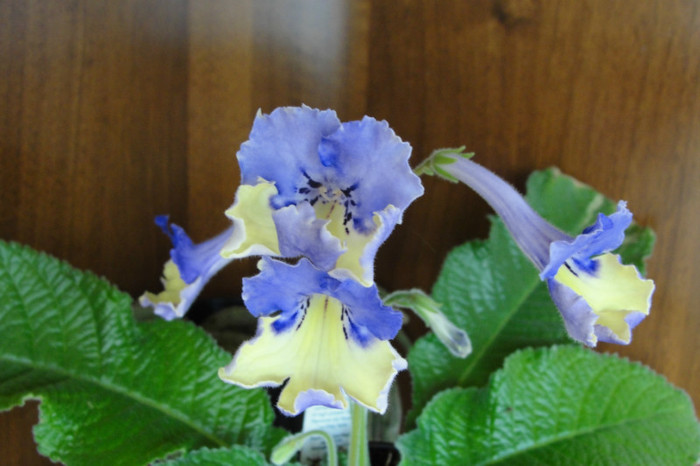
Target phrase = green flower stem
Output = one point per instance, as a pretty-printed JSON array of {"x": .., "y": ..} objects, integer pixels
[
  {"x": 403, "y": 340},
  {"x": 289, "y": 446},
  {"x": 358, "y": 455}
]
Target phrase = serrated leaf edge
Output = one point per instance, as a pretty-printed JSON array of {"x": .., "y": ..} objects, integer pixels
[
  {"x": 136, "y": 396},
  {"x": 31, "y": 365},
  {"x": 555, "y": 439},
  {"x": 558, "y": 438}
]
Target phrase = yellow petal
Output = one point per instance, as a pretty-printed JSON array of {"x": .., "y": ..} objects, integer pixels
[
  {"x": 318, "y": 360},
  {"x": 172, "y": 284},
  {"x": 350, "y": 263},
  {"x": 254, "y": 230},
  {"x": 613, "y": 292}
]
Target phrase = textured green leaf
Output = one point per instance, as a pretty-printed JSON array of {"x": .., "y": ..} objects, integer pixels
[
  {"x": 220, "y": 457},
  {"x": 113, "y": 391},
  {"x": 558, "y": 406},
  {"x": 491, "y": 289}
]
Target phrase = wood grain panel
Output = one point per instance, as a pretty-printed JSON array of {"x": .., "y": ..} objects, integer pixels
[
  {"x": 92, "y": 138},
  {"x": 93, "y": 134},
  {"x": 607, "y": 91},
  {"x": 114, "y": 112},
  {"x": 220, "y": 69}
]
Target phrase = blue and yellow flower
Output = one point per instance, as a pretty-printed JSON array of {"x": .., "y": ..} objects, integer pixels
[
  {"x": 332, "y": 191},
  {"x": 325, "y": 194},
  {"x": 327, "y": 338},
  {"x": 190, "y": 267},
  {"x": 311, "y": 187},
  {"x": 599, "y": 298}
]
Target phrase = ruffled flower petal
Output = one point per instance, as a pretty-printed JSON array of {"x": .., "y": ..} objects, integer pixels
[
  {"x": 282, "y": 146},
  {"x": 286, "y": 288},
  {"x": 320, "y": 363},
  {"x": 301, "y": 233},
  {"x": 615, "y": 296},
  {"x": 606, "y": 234},
  {"x": 185, "y": 274},
  {"x": 367, "y": 157},
  {"x": 255, "y": 232}
]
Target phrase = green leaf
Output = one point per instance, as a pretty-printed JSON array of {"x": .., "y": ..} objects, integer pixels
[
  {"x": 220, "y": 457},
  {"x": 638, "y": 245},
  {"x": 113, "y": 391},
  {"x": 490, "y": 289},
  {"x": 560, "y": 406}
]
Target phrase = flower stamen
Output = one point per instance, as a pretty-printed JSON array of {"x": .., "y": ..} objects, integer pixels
[{"x": 316, "y": 191}]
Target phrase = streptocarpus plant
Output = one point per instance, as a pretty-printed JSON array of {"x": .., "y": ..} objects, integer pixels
[{"x": 317, "y": 199}]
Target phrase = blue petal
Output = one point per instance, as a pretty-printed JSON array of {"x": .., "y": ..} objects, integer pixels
[
  {"x": 284, "y": 144},
  {"x": 369, "y": 159},
  {"x": 194, "y": 260},
  {"x": 300, "y": 233},
  {"x": 367, "y": 310},
  {"x": 531, "y": 232},
  {"x": 283, "y": 287},
  {"x": 190, "y": 268},
  {"x": 606, "y": 234},
  {"x": 579, "y": 318}
]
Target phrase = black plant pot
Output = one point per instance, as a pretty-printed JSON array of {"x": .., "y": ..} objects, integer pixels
[{"x": 383, "y": 454}]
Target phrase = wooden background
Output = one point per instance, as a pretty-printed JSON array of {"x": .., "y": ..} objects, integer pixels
[{"x": 114, "y": 111}]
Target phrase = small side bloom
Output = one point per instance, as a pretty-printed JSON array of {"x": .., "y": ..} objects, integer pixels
[
  {"x": 326, "y": 337},
  {"x": 190, "y": 267},
  {"x": 599, "y": 298},
  {"x": 592, "y": 287}
]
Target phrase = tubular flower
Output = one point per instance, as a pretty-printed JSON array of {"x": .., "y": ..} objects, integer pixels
[
  {"x": 599, "y": 298},
  {"x": 326, "y": 336},
  {"x": 330, "y": 191},
  {"x": 190, "y": 267}
]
